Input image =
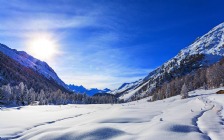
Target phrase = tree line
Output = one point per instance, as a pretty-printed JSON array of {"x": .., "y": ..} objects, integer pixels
[
  {"x": 21, "y": 95},
  {"x": 206, "y": 78}
]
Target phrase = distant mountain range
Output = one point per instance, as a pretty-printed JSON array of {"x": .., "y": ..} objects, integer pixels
[
  {"x": 203, "y": 52},
  {"x": 90, "y": 92}
]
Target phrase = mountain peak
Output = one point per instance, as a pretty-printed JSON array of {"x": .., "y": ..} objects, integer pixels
[
  {"x": 210, "y": 43},
  {"x": 219, "y": 27}
]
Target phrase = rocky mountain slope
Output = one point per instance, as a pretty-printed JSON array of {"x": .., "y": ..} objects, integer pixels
[
  {"x": 204, "y": 51},
  {"x": 18, "y": 66}
]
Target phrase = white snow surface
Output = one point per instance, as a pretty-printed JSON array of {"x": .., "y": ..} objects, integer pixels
[
  {"x": 30, "y": 62},
  {"x": 199, "y": 117}
]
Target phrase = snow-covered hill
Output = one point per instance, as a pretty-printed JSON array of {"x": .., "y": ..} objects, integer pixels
[
  {"x": 30, "y": 62},
  {"x": 199, "y": 117},
  {"x": 90, "y": 92},
  {"x": 205, "y": 51}
]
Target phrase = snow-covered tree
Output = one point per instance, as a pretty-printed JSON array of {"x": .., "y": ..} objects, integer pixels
[
  {"x": 205, "y": 86},
  {"x": 184, "y": 92},
  {"x": 168, "y": 91},
  {"x": 21, "y": 88},
  {"x": 6, "y": 93}
]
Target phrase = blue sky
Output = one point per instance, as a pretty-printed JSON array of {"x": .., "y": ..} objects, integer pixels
[{"x": 104, "y": 43}]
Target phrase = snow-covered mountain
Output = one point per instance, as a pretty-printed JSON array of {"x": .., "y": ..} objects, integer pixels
[
  {"x": 28, "y": 61},
  {"x": 90, "y": 92},
  {"x": 204, "y": 51},
  {"x": 127, "y": 87}
]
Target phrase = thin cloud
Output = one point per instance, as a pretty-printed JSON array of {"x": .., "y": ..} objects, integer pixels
[{"x": 32, "y": 24}]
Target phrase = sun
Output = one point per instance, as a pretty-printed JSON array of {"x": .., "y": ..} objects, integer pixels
[{"x": 42, "y": 47}]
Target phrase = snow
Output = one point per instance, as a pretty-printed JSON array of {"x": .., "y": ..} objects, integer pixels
[
  {"x": 30, "y": 62},
  {"x": 198, "y": 117}
]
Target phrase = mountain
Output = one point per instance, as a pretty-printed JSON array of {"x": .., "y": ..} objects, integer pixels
[
  {"x": 18, "y": 66},
  {"x": 126, "y": 87},
  {"x": 90, "y": 92},
  {"x": 203, "y": 52}
]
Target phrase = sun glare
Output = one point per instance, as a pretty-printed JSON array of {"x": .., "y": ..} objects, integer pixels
[{"x": 42, "y": 47}]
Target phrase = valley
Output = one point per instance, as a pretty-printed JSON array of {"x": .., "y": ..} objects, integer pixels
[{"x": 111, "y": 70}]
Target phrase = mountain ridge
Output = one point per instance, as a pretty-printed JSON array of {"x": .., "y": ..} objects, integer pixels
[
  {"x": 90, "y": 92},
  {"x": 30, "y": 62},
  {"x": 204, "y": 51}
]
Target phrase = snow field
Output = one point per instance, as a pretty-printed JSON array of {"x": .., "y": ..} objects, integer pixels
[{"x": 198, "y": 117}]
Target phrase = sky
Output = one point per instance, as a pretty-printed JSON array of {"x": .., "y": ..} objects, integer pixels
[{"x": 104, "y": 43}]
